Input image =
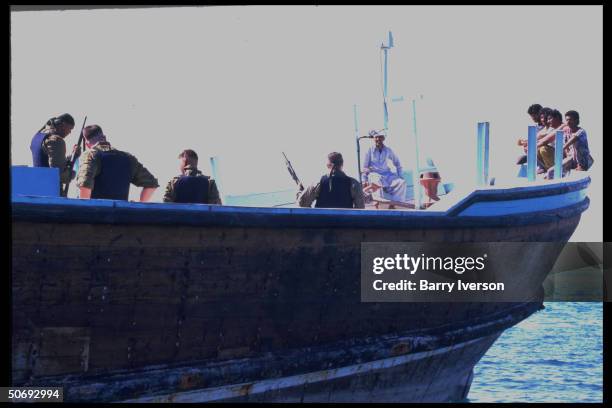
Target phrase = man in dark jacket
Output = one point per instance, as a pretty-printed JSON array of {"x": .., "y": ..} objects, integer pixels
[
  {"x": 334, "y": 190},
  {"x": 191, "y": 186}
]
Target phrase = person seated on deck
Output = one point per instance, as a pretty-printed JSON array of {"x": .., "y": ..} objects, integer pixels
[
  {"x": 541, "y": 120},
  {"x": 191, "y": 186},
  {"x": 106, "y": 172},
  {"x": 533, "y": 111},
  {"x": 545, "y": 145},
  {"x": 542, "y": 129},
  {"x": 377, "y": 175},
  {"x": 575, "y": 146},
  {"x": 49, "y": 148},
  {"x": 334, "y": 190}
]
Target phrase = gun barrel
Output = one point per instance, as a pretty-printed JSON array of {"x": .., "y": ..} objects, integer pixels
[
  {"x": 70, "y": 164},
  {"x": 292, "y": 171}
]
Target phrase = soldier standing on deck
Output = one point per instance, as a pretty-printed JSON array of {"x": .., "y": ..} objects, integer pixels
[
  {"x": 191, "y": 186},
  {"x": 49, "y": 148},
  {"x": 106, "y": 172},
  {"x": 334, "y": 190}
]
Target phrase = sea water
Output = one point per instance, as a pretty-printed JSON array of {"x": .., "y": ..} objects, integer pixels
[{"x": 556, "y": 355}]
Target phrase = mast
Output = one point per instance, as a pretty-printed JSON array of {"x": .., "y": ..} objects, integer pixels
[
  {"x": 357, "y": 139},
  {"x": 385, "y": 49}
]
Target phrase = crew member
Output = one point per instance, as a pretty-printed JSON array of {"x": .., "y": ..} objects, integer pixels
[
  {"x": 191, "y": 186},
  {"x": 377, "y": 175},
  {"x": 106, "y": 172},
  {"x": 534, "y": 111},
  {"x": 334, "y": 190},
  {"x": 545, "y": 144},
  {"x": 49, "y": 148}
]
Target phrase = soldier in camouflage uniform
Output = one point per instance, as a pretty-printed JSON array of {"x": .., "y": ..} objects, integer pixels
[
  {"x": 49, "y": 148},
  {"x": 191, "y": 186},
  {"x": 106, "y": 172}
]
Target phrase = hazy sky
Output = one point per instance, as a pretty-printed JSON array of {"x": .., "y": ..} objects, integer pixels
[{"x": 245, "y": 83}]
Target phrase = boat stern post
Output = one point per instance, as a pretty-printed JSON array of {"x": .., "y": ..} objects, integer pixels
[
  {"x": 531, "y": 153},
  {"x": 482, "y": 153},
  {"x": 558, "y": 154}
]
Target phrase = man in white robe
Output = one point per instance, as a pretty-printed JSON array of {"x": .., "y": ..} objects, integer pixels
[{"x": 382, "y": 170}]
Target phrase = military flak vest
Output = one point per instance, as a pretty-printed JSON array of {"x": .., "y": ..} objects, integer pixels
[
  {"x": 40, "y": 158},
  {"x": 113, "y": 182},
  {"x": 191, "y": 189}
]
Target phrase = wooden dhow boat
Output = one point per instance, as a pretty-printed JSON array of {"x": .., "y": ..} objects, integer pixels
[{"x": 124, "y": 301}]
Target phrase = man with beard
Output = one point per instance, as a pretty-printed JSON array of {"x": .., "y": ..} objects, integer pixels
[{"x": 378, "y": 175}]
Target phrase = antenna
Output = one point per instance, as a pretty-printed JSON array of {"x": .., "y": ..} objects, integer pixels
[{"x": 385, "y": 49}]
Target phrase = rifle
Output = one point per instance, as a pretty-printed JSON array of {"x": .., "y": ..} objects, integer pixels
[
  {"x": 73, "y": 158},
  {"x": 292, "y": 173}
]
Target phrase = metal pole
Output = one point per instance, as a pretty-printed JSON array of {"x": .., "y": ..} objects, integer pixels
[
  {"x": 482, "y": 153},
  {"x": 558, "y": 154},
  {"x": 357, "y": 141},
  {"x": 385, "y": 88},
  {"x": 214, "y": 165},
  {"x": 486, "y": 154},
  {"x": 531, "y": 153},
  {"x": 479, "y": 153},
  {"x": 415, "y": 174},
  {"x": 385, "y": 49}
]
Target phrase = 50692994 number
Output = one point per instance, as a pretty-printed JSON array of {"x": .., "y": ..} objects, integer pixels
[{"x": 31, "y": 394}]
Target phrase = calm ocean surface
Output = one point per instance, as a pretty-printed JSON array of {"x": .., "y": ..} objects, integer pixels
[{"x": 556, "y": 355}]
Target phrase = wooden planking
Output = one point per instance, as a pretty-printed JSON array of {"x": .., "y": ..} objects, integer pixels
[
  {"x": 190, "y": 238},
  {"x": 336, "y": 362},
  {"x": 62, "y": 350},
  {"x": 230, "y": 298}
]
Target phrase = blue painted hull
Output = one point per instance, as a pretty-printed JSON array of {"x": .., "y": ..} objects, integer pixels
[{"x": 494, "y": 208}]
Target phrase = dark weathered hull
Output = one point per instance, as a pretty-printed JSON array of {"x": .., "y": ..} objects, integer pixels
[
  {"x": 105, "y": 290},
  {"x": 420, "y": 365},
  {"x": 442, "y": 375}
]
